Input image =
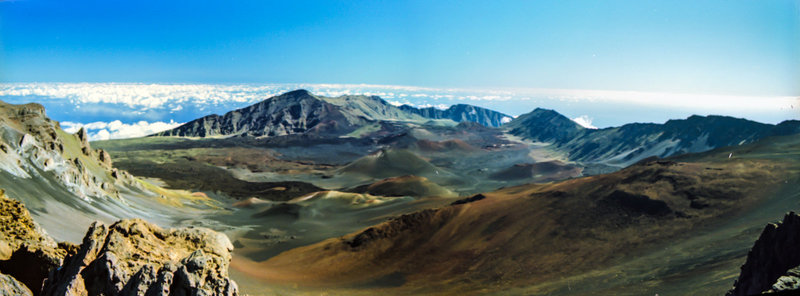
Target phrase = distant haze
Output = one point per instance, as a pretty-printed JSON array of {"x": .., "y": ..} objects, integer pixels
[{"x": 120, "y": 110}]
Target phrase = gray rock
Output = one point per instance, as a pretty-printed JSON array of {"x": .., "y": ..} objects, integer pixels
[
  {"x": 134, "y": 257},
  {"x": 10, "y": 286}
]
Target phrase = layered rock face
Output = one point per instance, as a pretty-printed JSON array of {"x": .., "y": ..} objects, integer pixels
[
  {"x": 133, "y": 257},
  {"x": 130, "y": 257},
  {"x": 32, "y": 144},
  {"x": 773, "y": 264}
]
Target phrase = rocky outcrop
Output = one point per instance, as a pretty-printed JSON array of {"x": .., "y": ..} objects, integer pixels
[
  {"x": 773, "y": 264},
  {"x": 10, "y": 286},
  {"x": 27, "y": 253},
  {"x": 134, "y": 257},
  {"x": 32, "y": 146},
  {"x": 130, "y": 257}
]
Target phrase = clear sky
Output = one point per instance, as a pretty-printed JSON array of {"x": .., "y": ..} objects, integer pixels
[{"x": 749, "y": 48}]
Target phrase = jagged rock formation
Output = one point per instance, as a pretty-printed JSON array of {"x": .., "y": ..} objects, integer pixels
[
  {"x": 462, "y": 113},
  {"x": 33, "y": 145},
  {"x": 773, "y": 264},
  {"x": 27, "y": 253},
  {"x": 629, "y": 143},
  {"x": 130, "y": 257},
  {"x": 133, "y": 257},
  {"x": 10, "y": 286}
]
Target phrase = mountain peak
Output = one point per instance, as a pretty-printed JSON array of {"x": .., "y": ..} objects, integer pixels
[
  {"x": 544, "y": 125},
  {"x": 295, "y": 95},
  {"x": 297, "y": 92}
]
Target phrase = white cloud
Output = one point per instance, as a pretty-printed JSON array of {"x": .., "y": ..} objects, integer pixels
[
  {"x": 161, "y": 102},
  {"x": 584, "y": 121},
  {"x": 505, "y": 120},
  {"x": 437, "y": 106},
  {"x": 174, "y": 96},
  {"x": 117, "y": 129},
  {"x": 398, "y": 103}
]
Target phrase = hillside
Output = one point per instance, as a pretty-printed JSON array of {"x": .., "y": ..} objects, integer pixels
[
  {"x": 295, "y": 112},
  {"x": 629, "y": 143},
  {"x": 462, "y": 113},
  {"x": 526, "y": 239},
  {"x": 52, "y": 171}
]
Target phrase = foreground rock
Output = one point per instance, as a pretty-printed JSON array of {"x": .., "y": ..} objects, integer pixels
[
  {"x": 134, "y": 257},
  {"x": 773, "y": 264},
  {"x": 10, "y": 286},
  {"x": 130, "y": 257},
  {"x": 27, "y": 253}
]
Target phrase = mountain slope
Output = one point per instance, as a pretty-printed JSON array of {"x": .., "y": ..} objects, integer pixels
[
  {"x": 300, "y": 112},
  {"x": 372, "y": 107},
  {"x": 629, "y": 143},
  {"x": 462, "y": 113},
  {"x": 536, "y": 236},
  {"x": 544, "y": 125},
  {"x": 67, "y": 185},
  {"x": 295, "y": 112}
]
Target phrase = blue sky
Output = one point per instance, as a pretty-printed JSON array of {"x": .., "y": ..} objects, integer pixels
[
  {"x": 719, "y": 47},
  {"x": 613, "y": 62}
]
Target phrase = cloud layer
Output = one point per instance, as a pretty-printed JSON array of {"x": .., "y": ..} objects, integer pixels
[
  {"x": 132, "y": 103},
  {"x": 118, "y": 130}
]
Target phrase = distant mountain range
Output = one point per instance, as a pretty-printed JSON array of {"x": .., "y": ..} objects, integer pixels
[
  {"x": 301, "y": 112},
  {"x": 462, "y": 113},
  {"x": 629, "y": 143}
]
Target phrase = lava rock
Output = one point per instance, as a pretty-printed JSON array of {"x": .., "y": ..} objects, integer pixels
[{"x": 134, "y": 257}]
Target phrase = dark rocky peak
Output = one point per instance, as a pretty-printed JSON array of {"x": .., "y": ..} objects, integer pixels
[
  {"x": 82, "y": 137},
  {"x": 294, "y": 112},
  {"x": 773, "y": 264},
  {"x": 787, "y": 127},
  {"x": 544, "y": 125},
  {"x": 297, "y": 93}
]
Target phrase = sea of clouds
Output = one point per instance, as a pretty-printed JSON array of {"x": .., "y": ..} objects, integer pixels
[{"x": 122, "y": 110}]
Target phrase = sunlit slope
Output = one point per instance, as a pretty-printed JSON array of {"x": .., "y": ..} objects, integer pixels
[
  {"x": 66, "y": 184},
  {"x": 527, "y": 239}
]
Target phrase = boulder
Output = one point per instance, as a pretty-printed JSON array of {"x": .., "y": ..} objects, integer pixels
[
  {"x": 10, "y": 286},
  {"x": 27, "y": 253},
  {"x": 134, "y": 257}
]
